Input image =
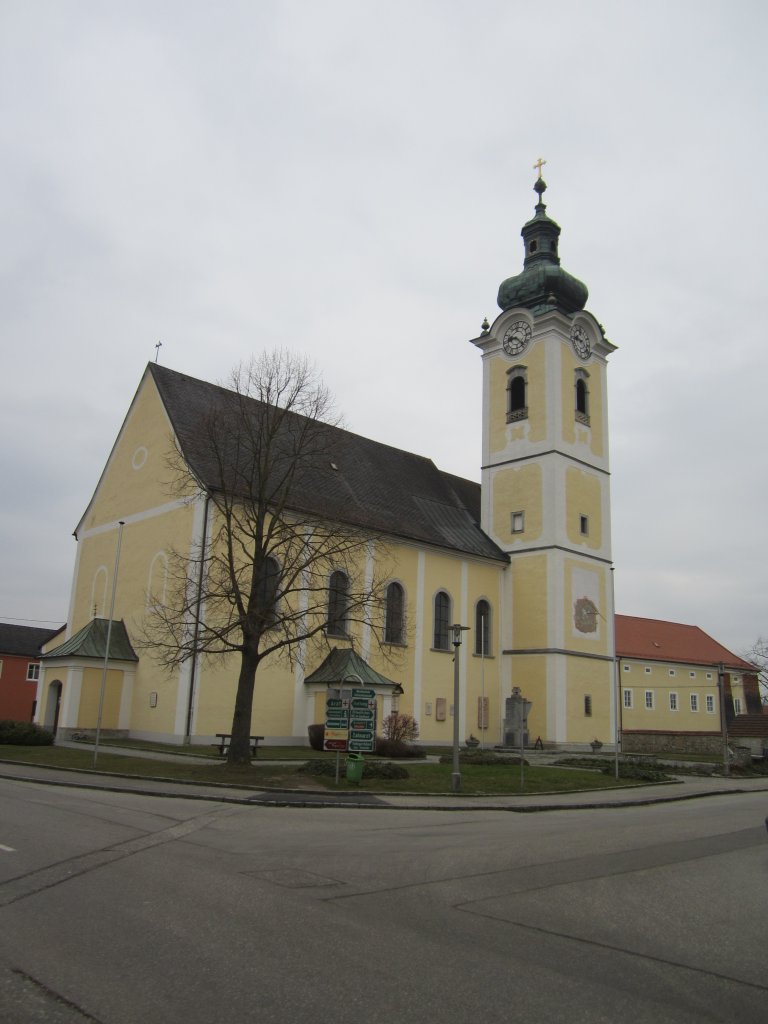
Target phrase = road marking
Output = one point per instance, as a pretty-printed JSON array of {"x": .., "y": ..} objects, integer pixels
[{"x": 7, "y": 849}]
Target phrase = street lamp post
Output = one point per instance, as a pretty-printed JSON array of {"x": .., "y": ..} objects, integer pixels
[{"x": 456, "y": 774}]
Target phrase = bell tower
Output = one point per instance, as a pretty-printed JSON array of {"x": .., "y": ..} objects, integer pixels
[{"x": 545, "y": 490}]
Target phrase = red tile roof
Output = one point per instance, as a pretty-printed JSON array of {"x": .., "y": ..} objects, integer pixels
[{"x": 656, "y": 640}]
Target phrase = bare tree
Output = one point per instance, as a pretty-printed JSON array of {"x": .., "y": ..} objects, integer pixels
[
  {"x": 758, "y": 655},
  {"x": 277, "y": 570}
]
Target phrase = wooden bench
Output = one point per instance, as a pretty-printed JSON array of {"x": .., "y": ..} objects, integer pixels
[{"x": 226, "y": 737}]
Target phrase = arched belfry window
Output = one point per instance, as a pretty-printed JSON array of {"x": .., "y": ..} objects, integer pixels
[
  {"x": 517, "y": 394},
  {"x": 582, "y": 397},
  {"x": 394, "y": 615},
  {"x": 338, "y": 604},
  {"x": 442, "y": 623},
  {"x": 483, "y": 628}
]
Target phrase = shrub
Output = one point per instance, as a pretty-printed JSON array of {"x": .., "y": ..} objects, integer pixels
[
  {"x": 371, "y": 769},
  {"x": 316, "y": 735},
  {"x": 482, "y": 757},
  {"x": 635, "y": 771},
  {"x": 24, "y": 734},
  {"x": 317, "y": 768},
  {"x": 400, "y": 728},
  {"x": 396, "y": 748},
  {"x": 384, "y": 770}
]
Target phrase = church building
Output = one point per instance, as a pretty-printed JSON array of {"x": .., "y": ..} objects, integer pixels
[{"x": 523, "y": 559}]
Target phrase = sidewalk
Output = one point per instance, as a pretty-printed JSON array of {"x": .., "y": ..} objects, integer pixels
[{"x": 683, "y": 788}]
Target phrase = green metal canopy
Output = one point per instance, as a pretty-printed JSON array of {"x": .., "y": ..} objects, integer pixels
[
  {"x": 341, "y": 664},
  {"x": 91, "y": 642}
]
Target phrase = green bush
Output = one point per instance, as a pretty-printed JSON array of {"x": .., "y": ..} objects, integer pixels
[
  {"x": 397, "y": 748},
  {"x": 482, "y": 757},
  {"x": 371, "y": 769},
  {"x": 24, "y": 734},
  {"x": 636, "y": 771}
]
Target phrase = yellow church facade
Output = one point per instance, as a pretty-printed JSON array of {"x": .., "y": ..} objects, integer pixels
[{"x": 523, "y": 559}]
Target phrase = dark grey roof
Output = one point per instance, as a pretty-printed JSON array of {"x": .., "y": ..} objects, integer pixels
[
  {"x": 23, "y": 641},
  {"x": 91, "y": 642},
  {"x": 361, "y": 482},
  {"x": 343, "y": 662}
]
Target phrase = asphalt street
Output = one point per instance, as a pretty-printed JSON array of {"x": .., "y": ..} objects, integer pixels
[{"x": 120, "y": 907}]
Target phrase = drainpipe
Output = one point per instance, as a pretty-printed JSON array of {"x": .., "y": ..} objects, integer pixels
[{"x": 198, "y": 605}]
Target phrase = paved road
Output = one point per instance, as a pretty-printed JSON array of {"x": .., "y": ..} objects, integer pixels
[{"x": 121, "y": 908}]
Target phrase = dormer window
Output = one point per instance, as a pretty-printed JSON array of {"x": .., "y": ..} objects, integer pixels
[{"x": 533, "y": 245}]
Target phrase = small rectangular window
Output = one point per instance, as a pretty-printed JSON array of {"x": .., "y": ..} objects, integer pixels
[
  {"x": 709, "y": 675},
  {"x": 587, "y": 705},
  {"x": 672, "y": 672},
  {"x": 649, "y": 700},
  {"x": 694, "y": 702},
  {"x": 33, "y": 672},
  {"x": 627, "y": 698},
  {"x": 692, "y": 675},
  {"x": 518, "y": 522},
  {"x": 626, "y": 668},
  {"x": 737, "y": 705},
  {"x": 673, "y": 702},
  {"x": 647, "y": 670},
  {"x": 440, "y": 709},
  {"x": 584, "y": 526},
  {"x": 710, "y": 704}
]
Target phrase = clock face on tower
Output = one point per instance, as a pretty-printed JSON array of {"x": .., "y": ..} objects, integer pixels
[
  {"x": 516, "y": 338},
  {"x": 580, "y": 342}
]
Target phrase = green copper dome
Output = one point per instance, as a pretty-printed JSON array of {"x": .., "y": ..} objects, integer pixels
[{"x": 543, "y": 284}]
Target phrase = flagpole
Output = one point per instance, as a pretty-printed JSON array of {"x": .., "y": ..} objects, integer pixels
[{"x": 120, "y": 526}]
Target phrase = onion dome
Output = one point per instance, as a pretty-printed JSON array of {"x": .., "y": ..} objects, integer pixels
[{"x": 543, "y": 285}]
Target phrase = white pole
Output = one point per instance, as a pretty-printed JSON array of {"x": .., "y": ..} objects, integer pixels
[{"x": 120, "y": 526}]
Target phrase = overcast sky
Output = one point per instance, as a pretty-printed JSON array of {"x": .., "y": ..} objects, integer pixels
[{"x": 348, "y": 178}]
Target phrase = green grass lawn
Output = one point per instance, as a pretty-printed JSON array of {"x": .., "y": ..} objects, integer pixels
[
  {"x": 208, "y": 750},
  {"x": 476, "y": 780}
]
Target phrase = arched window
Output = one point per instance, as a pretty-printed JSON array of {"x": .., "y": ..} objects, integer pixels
[
  {"x": 338, "y": 604},
  {"x": 266, "y": 593},
  {"x": 441, "y": 635},
  {"x": 483, "y": 628},
  {"x": 582, "y": 397},
  {"x": 517, "y": 397},
  {"x": 394, "y": 620}
]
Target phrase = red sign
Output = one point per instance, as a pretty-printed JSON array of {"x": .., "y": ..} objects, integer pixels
[{"x": 335, "y": 744}]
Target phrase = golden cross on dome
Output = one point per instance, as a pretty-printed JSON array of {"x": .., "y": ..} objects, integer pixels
[{"x": 538, "y": 165}]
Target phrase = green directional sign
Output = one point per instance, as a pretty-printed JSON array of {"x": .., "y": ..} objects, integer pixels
[
  {"x": 369, "y": 694},
  {"x": 336, "y": 723},
  {"x": 361, "y": 702},
  {"x": 337, "y": 702}
]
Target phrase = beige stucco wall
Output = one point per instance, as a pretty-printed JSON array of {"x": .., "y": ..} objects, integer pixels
[
  {"x": 518, "y": 490},
  {"x": 639, "y": 676},
  {"x": 583, "y": 497}
]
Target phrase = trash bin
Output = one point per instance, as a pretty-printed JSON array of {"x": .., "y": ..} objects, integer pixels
[{"x": 354, "y": 767}]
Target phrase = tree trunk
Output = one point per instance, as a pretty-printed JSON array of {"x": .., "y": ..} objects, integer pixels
[{"x": 240, "y": 745}]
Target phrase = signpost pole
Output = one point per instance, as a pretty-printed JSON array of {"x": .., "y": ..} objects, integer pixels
[{"x": 456, "y": 774}]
